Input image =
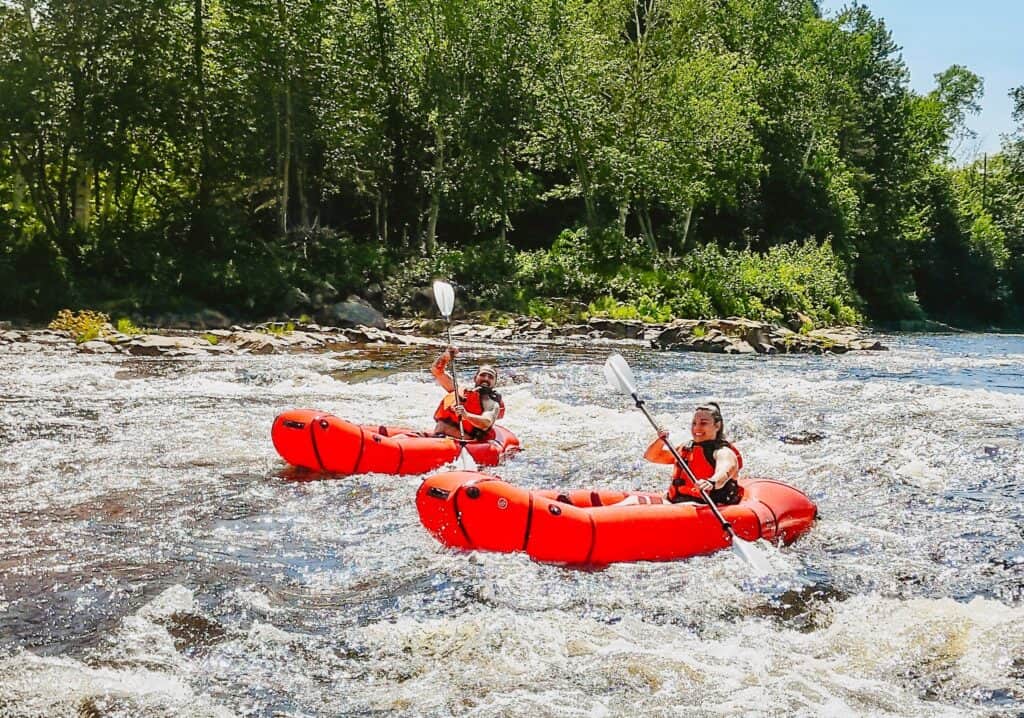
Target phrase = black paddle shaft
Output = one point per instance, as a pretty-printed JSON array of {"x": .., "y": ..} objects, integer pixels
[
  {"x": 685, "y": 467},
  {"x": 455, "y": 382},
  {"x": 451, "y": 367}
]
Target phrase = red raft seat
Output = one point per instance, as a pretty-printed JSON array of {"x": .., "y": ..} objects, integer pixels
[
  {"x": 470, "y": 510},
  {"x": 320, "y": 441}
]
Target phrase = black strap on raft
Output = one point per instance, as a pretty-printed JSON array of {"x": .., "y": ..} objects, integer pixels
[{"x": 312, "y": 441}]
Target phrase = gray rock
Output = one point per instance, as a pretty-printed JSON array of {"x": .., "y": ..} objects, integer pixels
[
  {"x": 868, "y": 344},
  {"x": 210, "y": 319},
  {"x": 738, "y": 346},
  {"x": 433, "y": 327},
  {"x": 802, "y": 437},
  {"x": 97, "y": 347},
  {"x": 368, "y": 335},
  {"x": 156, "y": 345},
  {"x": 250, "y": 342},
  {"x": 323, "y": 294},
  {"x": 616, "y": 328},
  {"x": 353, "y": 312},
  {"x": 798, "y": 320},
  {"x": 296, "y": 300}
]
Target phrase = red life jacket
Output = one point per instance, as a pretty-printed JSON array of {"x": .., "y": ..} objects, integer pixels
[
  {"x": 474, "y": 405},
  {"x": 701, "y": 460}
]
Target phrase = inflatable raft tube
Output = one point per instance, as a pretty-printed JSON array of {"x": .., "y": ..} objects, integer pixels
[
  {"x": 319, "y": 441},
  {"x": 470, "y": 510}
]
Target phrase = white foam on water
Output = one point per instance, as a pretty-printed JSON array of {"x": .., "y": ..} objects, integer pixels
[
  {"x": 136, "y": 670},
  {"x": 36, "y": 686},
  {"x": 632, "y": 666},
  {"x": 903, "y": 600}
]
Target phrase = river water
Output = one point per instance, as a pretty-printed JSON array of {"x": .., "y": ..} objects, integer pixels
[{"x": 158, "y": 559}]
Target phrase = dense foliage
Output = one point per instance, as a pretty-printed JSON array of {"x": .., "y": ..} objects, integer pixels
[{"x": 653, "y": 158}]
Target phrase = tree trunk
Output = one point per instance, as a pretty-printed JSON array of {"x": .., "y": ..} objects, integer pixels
[
  {"x": 64, "y": 215},
  {"x": 300, "y": 193},
  {"x": 107, "y": 206},
  {"x": 82, "y": 196},
  {"x": 435, "y": 192},
  {"x": 32, "y": 176},
  {"x": 199, "y": 232},
  {"x": 286, "y": 142},
  {"x": 643, "y": 216},
  {"x": 686, "y": 227},
  {"x": 582, "y": 172},
  {"x": 389, "y": 171},
  {"x": 286, "y": 162},
  {"x": 18, "y": 190},
  {"x": 377, "y": 216}
]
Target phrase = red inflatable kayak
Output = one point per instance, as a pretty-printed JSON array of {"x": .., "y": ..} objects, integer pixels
[
  {"x": 469, "y": 510},
  {"x": 320, "y": 441}
]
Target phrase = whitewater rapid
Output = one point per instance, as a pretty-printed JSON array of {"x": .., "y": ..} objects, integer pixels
[{"x": 158, "y": 559}]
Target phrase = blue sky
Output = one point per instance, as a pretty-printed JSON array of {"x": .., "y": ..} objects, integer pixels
[{"x": 987, "y": 36}]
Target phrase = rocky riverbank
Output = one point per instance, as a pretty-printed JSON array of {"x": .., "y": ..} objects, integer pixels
[{"x": 724, "y": 336}]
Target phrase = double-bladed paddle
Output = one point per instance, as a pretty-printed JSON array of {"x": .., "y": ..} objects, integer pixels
[
  {"x": 444, "y": 295},
  {"x": 620, "y": 377}
]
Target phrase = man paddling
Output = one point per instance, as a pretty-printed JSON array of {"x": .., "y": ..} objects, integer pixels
[{"x": 474, "y": 414}]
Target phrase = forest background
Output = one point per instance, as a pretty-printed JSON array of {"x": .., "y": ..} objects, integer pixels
[{"x": 641, "y": 158}]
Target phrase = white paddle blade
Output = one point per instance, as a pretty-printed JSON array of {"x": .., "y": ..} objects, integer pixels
[
  {"x": 752, "y": 555},
  {"x": 444, "y": 295},
  {"x": 464, "y": 461},
  {"x": 619, "y": 375}
]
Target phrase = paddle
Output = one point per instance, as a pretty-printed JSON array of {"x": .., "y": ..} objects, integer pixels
[
  {"x": 444, "y": 295},
  {"x": 620, "y": 377}
]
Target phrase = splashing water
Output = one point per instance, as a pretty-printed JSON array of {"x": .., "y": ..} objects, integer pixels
[{"x": 157, "y": 561}]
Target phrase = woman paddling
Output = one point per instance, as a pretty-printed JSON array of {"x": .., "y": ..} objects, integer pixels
[{"x": 711, "y": 457}]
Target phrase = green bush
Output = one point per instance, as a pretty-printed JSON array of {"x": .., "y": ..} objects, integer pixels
[
  {"x": 789, "y": 278},
  {"x": 482, "y": 272},
  {"x": 278, "y": 329},
  {"x": 620, "y": 280},
  {"x": 577, "y": 264},
  {"x": 645, "y": 309},
  {"x": 125, "y": 326},
  {"x": 84, "y": 325}
]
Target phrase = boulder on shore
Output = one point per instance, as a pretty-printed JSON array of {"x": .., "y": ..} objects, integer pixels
[{"x": 744, "y": 336}]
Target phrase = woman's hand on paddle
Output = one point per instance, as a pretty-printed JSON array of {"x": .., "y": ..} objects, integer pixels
[
  {"x": 705, "y": 485},
  {"x": 452, "y": 352}
]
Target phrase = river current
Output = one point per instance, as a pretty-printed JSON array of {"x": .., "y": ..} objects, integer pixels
[{"x": 157, "y": 558}]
